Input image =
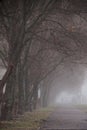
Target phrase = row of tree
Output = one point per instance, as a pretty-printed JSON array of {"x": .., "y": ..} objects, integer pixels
[{"x": 35, "y": 40}]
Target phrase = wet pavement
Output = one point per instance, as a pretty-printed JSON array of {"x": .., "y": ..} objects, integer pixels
[{"x": 66, "y": 118}]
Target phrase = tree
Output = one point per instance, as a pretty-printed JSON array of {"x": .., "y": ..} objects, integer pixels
[
  {"x": 37, "y": 40},
  {"x": 18, "y": 20}
]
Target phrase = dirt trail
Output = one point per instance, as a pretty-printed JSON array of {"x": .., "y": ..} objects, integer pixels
[{"x": 66, "y": 118}]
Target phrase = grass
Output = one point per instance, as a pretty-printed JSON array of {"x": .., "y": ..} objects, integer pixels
[
  {"x": 82, "y": 107},
  {"x": 29, "y": 121}
]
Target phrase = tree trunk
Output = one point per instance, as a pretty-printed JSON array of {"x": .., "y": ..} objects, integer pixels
[
  {"x": 27, "y": 91},
  {"x": 8, "y": 99},
  {"x": 4, "y": 80},
  {"x": 35, "y": 96},
  {"x": 21, "y": 90}
]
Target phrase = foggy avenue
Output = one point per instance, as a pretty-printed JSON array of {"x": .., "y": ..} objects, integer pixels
[{"x": 43, "y": 64}]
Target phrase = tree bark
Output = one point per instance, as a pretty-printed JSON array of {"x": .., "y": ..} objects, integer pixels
[
  {"x": 21, "y": 90},
  {"x": 8, "y": 99},
  {"x": 4, "y": 80}
]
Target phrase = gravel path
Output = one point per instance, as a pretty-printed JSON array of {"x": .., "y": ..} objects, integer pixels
[{"x": 66, "y": 118}]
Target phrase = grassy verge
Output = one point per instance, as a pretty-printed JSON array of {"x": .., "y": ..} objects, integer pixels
[
  {"x": 82, "y": 107},
  {"x": 29, "y": 121}
]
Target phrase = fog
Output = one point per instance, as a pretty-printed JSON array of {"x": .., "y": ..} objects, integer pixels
[
  {"x": 2, "y": 71},
  {"x": 70, "y": 87}
]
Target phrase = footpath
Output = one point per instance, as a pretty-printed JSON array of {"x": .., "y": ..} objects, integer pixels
[{"x": 66, "y": 118}]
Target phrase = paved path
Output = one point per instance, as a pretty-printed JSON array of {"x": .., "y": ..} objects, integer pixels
[{"x": 66, "y": 118}]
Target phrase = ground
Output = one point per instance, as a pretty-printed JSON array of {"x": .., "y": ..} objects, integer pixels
[
  {"x": 58, "y": 118},
  {"x": 67, "y": 118},
  {"x": 28, "y": 121}
]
